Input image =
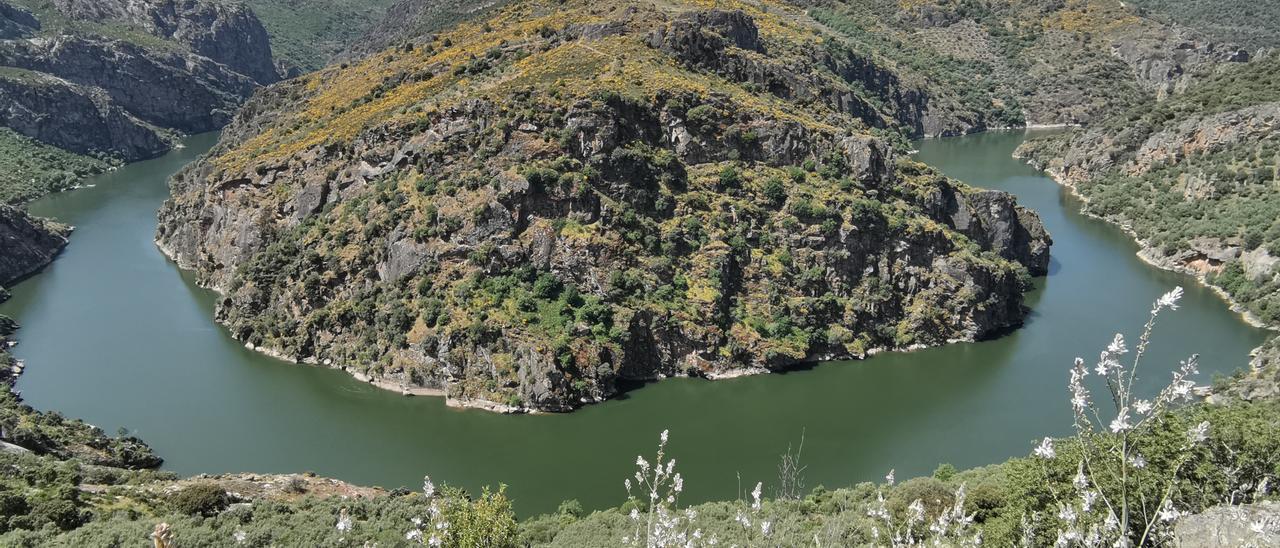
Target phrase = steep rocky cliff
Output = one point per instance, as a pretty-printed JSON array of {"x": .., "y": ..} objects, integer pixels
[
  {"x": 76, "y": 118},
  {"x": 527, "y": 211},
  {"x": 227, "y": 33},
  {"x": 410, "y": 20},
  {"x": 114, "y": 80},
  {"x": 27, "y": 243},
  {"x": 1194, "y": 177}
]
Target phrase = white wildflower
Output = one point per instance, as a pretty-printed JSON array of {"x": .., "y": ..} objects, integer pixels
[
  {"x": 1045, "y": 449},
  {"x": 1182, "y": 390},
  {"x": 344, "y": 521},
  {"x": 1080, "y": 481},
  {"x": 1142, "y": 407},
  {"x": 755, "y": 495},
  {"x": 435, "y": 541},
  {"x": 1198, "y": 433},
  {"x": 239, "y": 536},
  {"x": 1170, "y": 300},
  {"x": 1138, "y": 461},
  {"x": 1067, "y": 514},
  {"x": 428, "y": 487},
  {"x": 663, "y": 437},
  {"x": 414, "y": 535},
  {"x": 1087, "y": 499},
  {"x": 1106, "y": 364},
  {"x": 1121, "y": 422},
  {"x": 915, "y": 511},
  {"x": 1117, "y": 346},
  {"x": 889, "y": 478},
  {"x": 765, "y": 526},
  {"x": 1168, "y": 513}
]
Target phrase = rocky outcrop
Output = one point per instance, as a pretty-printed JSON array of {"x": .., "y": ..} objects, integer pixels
[
  {"x": 170, "y": 89},
  {"x": 27, "y": 244},
  {"x": 993, "y": 220},
  {"x": 1166, "y": 64},
  {"x": 75, "y": 118},
  {"x": 104, "y": 88},
  {"x": 1205, "y": 134},
  {"x": 1256, "y": 524},
  {"x": 227, "y": 33},
  {"x": 728, "y": 43},
  {"x": 533, "y": 245},
  {"x": 16, "y": 22}
]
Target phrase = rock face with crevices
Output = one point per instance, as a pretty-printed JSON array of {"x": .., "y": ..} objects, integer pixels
[
  {"x": 587, "y": 201},
  {"x": 227, "y": 33},
  {"x": 120, "y": 79},
  {"x": 27, "y": 243}
]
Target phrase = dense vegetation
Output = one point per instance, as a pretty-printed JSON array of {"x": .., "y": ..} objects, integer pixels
[
  {"x": 309, "y": 33},
  {"x": 30, "y": 169},
  {"x": 51, "y": 502}
]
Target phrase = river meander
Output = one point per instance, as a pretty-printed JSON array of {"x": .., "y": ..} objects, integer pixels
[{"x": 115, "y": 334}]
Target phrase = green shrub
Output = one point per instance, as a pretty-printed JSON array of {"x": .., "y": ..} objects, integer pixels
[{"x": 200, "y": 499}]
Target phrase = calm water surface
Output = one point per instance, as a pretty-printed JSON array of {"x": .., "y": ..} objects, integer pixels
[{"x": 115, "y": 334}]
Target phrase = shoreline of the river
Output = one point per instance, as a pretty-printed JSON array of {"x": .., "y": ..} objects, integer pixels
[
  {"x": 1147, "y": 253},
  {"x": 506, "y": 409}
]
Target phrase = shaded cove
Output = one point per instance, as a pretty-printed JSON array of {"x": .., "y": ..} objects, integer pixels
[{"x": 117, "y": 335}]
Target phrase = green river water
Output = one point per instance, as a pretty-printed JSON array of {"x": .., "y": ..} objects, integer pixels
[{"x": 115, "y": 334}]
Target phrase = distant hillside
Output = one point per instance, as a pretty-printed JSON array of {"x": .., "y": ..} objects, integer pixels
[
  {"x": 87, "y": 84},
  {"x": 1034, "y": 61},
  {"x": 309, "y": 33},
  {"x": 1251, "y": 23},
  {"x": 1194, "y": 177},
  {"x": 407, "y": 20}
]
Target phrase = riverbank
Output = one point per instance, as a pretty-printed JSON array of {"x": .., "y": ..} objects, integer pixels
[{"x": 1150, "y": 254}]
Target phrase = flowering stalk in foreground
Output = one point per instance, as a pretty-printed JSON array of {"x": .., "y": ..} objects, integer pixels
[
  {"x": 1107, "y": 498},
  {"x": 655, "y": 514},
  {"x": 432, "y": 530}
]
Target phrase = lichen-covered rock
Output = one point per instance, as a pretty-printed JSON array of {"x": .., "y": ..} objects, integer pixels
[{"x": 1256, "y": 524}]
